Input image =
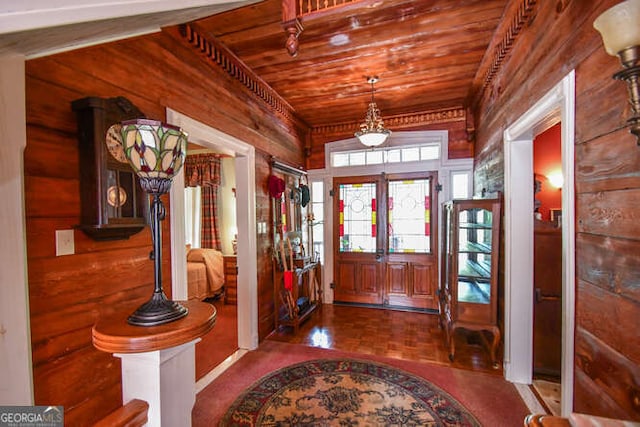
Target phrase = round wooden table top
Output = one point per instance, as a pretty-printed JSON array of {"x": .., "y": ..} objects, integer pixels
[{"x": 114, "y": 335}]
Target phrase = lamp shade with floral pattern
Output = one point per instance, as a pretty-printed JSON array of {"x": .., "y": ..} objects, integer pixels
[{"x": 154, "y": 149}]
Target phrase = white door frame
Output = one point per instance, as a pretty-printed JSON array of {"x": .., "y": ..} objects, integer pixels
[
  {"x": 556, "y": 105},
  {"x": 16, "y": 387},
  {"x": 221, "y": 142}
]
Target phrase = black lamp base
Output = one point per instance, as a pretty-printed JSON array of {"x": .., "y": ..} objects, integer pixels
[{"x": 157, "y": 311}]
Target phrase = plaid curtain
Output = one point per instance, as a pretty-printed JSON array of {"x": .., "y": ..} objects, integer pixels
[{"x": 203, "y": 170}]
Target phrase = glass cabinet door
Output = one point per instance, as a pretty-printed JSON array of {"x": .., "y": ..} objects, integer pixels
[
  {"x": 474, "y": 255},
  {"x": 469, "y": 297}
]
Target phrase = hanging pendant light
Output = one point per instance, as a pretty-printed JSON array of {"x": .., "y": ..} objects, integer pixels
[{"x": 372, "y": 132}]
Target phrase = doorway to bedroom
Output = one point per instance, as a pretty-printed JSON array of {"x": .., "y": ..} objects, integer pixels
[
  {"x": 243, "y": 157},
  {"x": 211, "y": 235}
]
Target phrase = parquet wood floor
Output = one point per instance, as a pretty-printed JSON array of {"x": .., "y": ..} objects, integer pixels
[{"x": 390, "y": 333}]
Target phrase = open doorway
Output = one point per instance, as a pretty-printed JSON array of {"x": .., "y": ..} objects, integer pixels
[
  {"x": 557, "y": 105},
  {"x": 211, "y": 245},
  {"x": 547, "y": 268},
  {"x": 247, "y": 299}
]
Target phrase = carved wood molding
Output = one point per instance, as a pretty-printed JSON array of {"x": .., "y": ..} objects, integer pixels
[
  {"x": 309, "y": 7},
  {"x": 519, "y": 18},
  {"x": 401, "y": 121},
  {"x": 220, "y": 55},
  {"x": 292, "y": 25},
  {"x": 294, "y": 10}
]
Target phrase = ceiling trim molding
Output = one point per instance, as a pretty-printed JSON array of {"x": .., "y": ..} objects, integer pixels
[
  {"x": 220, "y": 55},
  {"x": 311, "y": 8},
  {"x": 506, "y": 34},
  {"x": 401, "y": 121}
]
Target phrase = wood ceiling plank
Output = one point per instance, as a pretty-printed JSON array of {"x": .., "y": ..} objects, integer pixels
[{"x": 426, "y": 53}]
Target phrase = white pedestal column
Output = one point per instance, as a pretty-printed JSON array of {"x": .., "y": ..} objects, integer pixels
[{"x": 163, "y": 378}]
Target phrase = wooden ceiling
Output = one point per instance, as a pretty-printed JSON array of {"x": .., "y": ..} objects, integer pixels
[{"x": 426, "y": 53}]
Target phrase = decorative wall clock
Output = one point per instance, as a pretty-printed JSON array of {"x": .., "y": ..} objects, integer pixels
[{"x": 113, "y": 206}]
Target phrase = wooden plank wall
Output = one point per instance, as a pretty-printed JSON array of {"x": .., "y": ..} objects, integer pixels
[
  {"x": 68, "y": 293},
  {"x": 557, "y": 39}
]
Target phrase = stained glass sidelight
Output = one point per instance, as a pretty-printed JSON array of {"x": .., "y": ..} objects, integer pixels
[
  {"x": 409, "y": 217},
  {"x": 357, "y": 217}
]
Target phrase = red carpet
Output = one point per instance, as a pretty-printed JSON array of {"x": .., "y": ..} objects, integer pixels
[{"x": 492, "y": 400}]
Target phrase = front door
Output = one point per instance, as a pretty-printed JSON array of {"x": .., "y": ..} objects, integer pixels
[{"x": 385, "y": 245}]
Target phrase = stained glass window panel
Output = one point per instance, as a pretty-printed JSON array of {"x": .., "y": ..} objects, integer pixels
[
  {"x": 409, "y": 216},
  {"x": 357, "y": 217}
]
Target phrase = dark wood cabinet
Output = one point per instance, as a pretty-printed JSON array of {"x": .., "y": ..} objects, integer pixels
[
  {"x": 468, "y": 294},
  {"x": 113, "y": 205},
  {"x": 230, "y": 279}
]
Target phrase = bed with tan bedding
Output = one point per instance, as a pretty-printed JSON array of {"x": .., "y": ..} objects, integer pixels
[{"x": 205, "y": 273}]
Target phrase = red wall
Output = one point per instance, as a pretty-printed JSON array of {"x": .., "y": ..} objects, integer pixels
[{"x": 547, "y": 160}]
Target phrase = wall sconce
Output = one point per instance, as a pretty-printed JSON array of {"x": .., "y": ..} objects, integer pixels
[
  {"x": 620, "y": 33},
  {"x": 556, "y": 179},
  {"x": 156, "y": 152}
]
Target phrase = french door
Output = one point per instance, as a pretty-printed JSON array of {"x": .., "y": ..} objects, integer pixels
[{"x": 385, "y": 240}]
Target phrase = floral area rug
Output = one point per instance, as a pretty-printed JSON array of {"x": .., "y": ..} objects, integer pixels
[{"x": 345, "y": 392}]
